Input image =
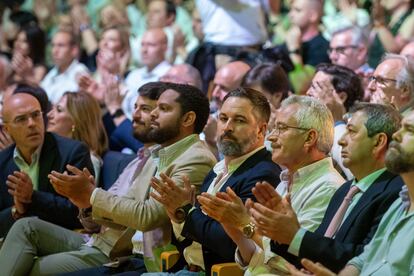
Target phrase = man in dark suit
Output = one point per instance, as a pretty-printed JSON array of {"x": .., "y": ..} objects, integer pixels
[
  {"x": 241, "y": 128},
  {"x": 346, "y": 227},
  {"x": 24, "y": 186}
]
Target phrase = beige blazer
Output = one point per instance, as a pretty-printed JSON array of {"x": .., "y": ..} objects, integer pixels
[{"x": 137, "y": 211}]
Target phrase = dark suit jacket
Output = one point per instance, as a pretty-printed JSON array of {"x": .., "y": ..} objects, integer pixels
[
  {"x": 217, "y": 246},
  {"x": 56, "y": 153},
  {"x": 355, "y": 232}
]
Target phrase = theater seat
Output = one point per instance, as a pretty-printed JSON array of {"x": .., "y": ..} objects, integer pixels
[{"x": 169, "y": 258}]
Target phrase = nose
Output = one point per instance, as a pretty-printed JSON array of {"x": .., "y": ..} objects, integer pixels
[
  {"x": 397, "y": 136},
  {"x": 216, "y": 92},
  {"x": 333, "y": 56},
  {"x": 50, "y": 114},
  {"x": 372, "y": 85},
  {"x": 342, "y": 141},
  {"x": 154, "y": 113},
  {"x": 272, "y": 135}
]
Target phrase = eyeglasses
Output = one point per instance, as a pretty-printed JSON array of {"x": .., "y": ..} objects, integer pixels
[
  {"x": 381, "y": 81},
  {"x": 280, "y": 128},
  {"x": 22, "y": 120},
  {"x": 341, "y": 50}
]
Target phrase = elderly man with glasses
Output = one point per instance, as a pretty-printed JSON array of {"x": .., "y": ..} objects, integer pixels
[
  {"x": 393, "y": 82},
  {"x": 25, "y": 189},
  {"x": 301, "y": 141}
]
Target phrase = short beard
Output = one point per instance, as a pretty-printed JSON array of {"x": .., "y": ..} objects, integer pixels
[
  {"x": 397, "y": 161},
  {"x": 142, "y": 136},
  {"x": 162, "y": 135},
  {"x": 229, "y": 148},
  {"x": 234, "y": 147}
]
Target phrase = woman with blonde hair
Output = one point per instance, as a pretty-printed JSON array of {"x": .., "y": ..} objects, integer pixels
[{"x": 78, "y": 116}]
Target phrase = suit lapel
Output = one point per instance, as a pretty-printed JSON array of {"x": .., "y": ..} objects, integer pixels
[
  {"x": 47, "y": 158},
  {"x": 376, "y": 189},
  {"x": 234, "y": 179}
]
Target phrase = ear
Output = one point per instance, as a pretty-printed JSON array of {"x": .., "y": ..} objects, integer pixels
[
  {"x": 380, "y": 146},
  {"x": 343, "y": 96},
  {"x": 262, "y": 129},
  {"x": 406, "y": 95},
  {"x": 189, "y": 119},
  {"x": 75, "y": 51},
  {"x": 311, "y": 139}
]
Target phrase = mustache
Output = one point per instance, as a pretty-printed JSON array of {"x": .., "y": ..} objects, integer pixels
[
  {"x": 228, "y": 135},
  {"x": 139, "y": 122},
  {"x": 395, "y": 145}
]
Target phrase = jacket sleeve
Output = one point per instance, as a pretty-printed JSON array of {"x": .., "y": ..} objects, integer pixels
[
  {"x": 208, "y": 232},
  {"x": 145, "y": 215},
  {"x": 57, "y": 209}
]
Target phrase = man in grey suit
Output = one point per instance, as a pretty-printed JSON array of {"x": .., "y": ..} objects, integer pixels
[{"x": 179, "y": 115}]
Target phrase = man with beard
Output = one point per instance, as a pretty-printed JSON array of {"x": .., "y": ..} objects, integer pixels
[
  {"x": 174, "y": 122},
  {"x": 391, "y": 250},
  {"x": 241, "y": 126}
]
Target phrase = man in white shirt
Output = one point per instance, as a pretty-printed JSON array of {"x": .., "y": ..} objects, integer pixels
[
  {"x": 63, "y": 76},
  {"x": 301, "y": 141},
  {"x": 153, "y": 49}
]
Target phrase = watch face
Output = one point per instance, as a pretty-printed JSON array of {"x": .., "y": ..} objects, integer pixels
[
  {"x": 180, "y": 214},
  {"x": 248, "y": 230}
]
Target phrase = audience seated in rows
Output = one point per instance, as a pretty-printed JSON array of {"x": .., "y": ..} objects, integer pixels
[{"x": 180, "y": 113}]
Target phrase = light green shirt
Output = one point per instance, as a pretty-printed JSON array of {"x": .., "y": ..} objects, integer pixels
[
  {"x": 31, "y": 169},
  {"x": 363, "y": 185},
  {"x": 391, "y": 250},
  {"x": 311, "y": 190}
]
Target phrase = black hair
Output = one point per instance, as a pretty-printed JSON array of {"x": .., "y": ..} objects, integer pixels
[
  {"x": 152, "y": 90},
  {"x": 36, "y": 38},
  {"x": 344, "y": 80},
  {"x": 191, "y": 99},
  {"x": 270, "y": 76}
]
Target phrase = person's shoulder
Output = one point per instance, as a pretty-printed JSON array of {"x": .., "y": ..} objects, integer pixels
[
  {"x": 7, "y": 154},
  {"x": 63, "y": 142},
  {"x": 199, "y": 151}
]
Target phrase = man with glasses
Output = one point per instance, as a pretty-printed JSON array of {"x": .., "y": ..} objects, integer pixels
[
  {"x": 393, "y": 82},
  {"x": 348, "y": 48},
  {"x": 24, "y": 186},
  {"x": 301, "y": 141}
]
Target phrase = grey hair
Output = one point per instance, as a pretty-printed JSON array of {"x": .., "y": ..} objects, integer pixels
[
  {"x": 359, "y": 36},
  {"x": 405, "y": 78},
  {"x": 313, "y": 114},
  {"x": 380, "y": 118}
]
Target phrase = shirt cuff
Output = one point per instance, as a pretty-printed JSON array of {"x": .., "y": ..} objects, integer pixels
[
  {"x": 356, "y": 262},
  {"x": 93, "y": 195},
  {"x": 295, "y": 244},
  {"x": 256, "y": 260}
]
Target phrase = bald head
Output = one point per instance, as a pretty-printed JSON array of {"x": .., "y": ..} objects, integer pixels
[
  {"x": 228, "y": 78},
  {"x": 23, "y": 121},
  {"x": 183, "y": 74},
  {"x": 408, "y": 50},
  {"x": 153, "y": 47}
]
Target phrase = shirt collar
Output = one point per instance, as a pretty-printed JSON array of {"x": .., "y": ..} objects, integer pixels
[
  {"x": 234, "y": 164},
  {"x": 168, "y": 154},
  {"x": 35, "y": 155},
  {"x": 158, "y": 70},
  {"x": 368, "y": 180}
]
